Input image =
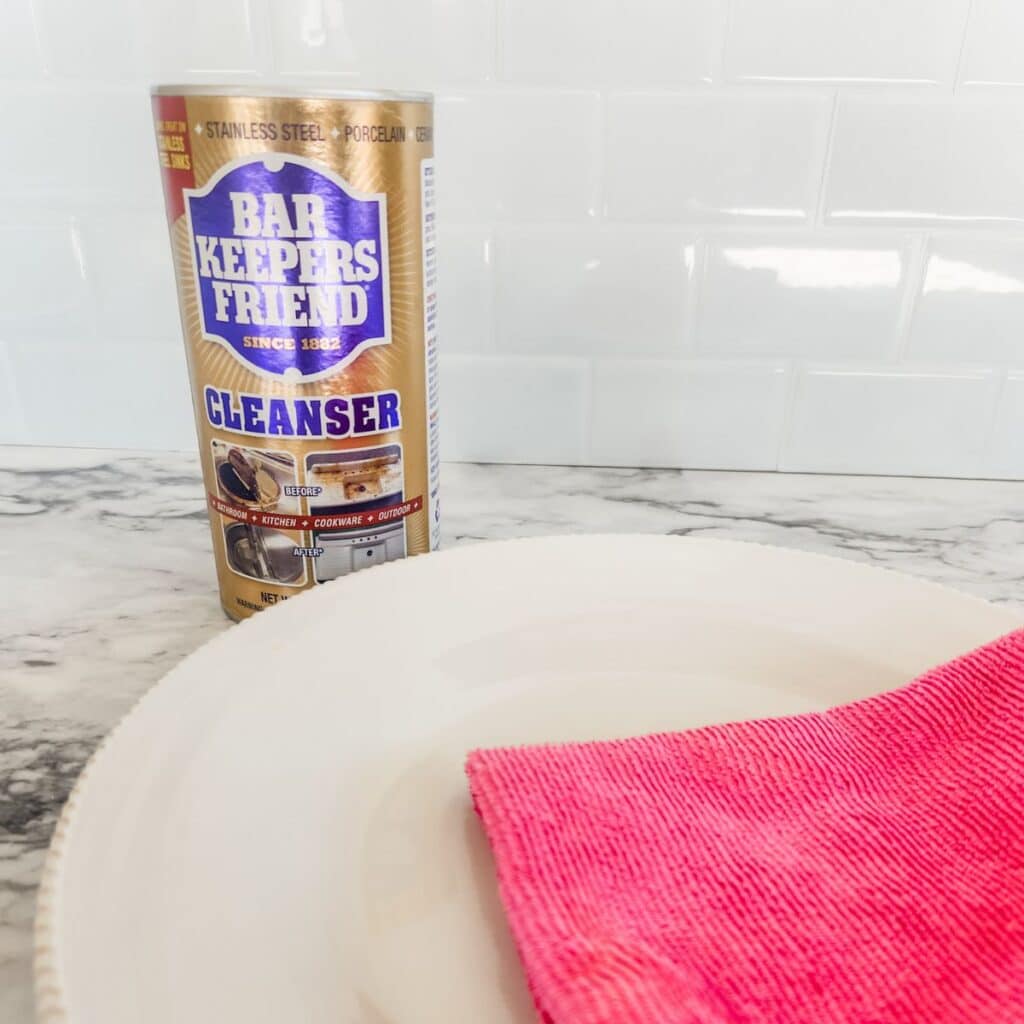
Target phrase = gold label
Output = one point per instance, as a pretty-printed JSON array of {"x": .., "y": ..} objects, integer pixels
[{"x": 304, "y": 243}]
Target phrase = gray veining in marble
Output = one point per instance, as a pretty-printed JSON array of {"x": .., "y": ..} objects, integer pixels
[{"x": 107, "y": 581}]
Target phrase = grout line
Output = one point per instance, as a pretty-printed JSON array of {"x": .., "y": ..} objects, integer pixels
[
  {"x": 262, "y": 37},
  {"x": 499, "y": 47},
  {"x": 8, "y": 382},
  {"x": 826, "y": 163},
  {"x": 43, "y": 51},
  {"x": 724, "y": 28},
  {"x": 1002, "y": 385},
  {"x": 794, "y": 371},
  {"x": 588, "y": 408},
  {"x": 492, "y": 289},
  {"x": 693, "y": 315},
  {"x": 917, "y": 268},
  {"x": 958, "y": 70},
  {"x": 601, "y": 160}
]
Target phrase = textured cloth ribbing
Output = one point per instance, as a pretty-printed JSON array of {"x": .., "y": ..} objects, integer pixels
[{"x": 863, "y": 865}]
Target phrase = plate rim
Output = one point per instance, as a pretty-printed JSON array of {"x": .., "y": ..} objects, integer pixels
[{"x": 50, "y": 999}]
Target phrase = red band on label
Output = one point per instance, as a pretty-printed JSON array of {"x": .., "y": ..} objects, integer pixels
[
  {"x": 333, "y": 521},
  {"x": 174, "y": 145}
]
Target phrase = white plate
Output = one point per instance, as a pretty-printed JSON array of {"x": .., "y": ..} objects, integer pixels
[{"x": 280, "y": 831}]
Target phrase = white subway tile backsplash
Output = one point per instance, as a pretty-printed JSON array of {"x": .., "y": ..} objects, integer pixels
[
  {"x": 665, "y": 229},
  {"x": 465, "y": 40},
  {"x": 78, "y": 143},
  {"x": 598, "y": 41},
  {"x": 986, "y": 162},
  {"x": 114, "y": 239},
  {"x": 12, "y": 422},
  {"x": 823, "y": 297},
  {"x": 830, "y": 41},
  {"x": 518, "y": 155},
  {"x": 20, "y": 52},
  {"x": 715, "y": 158},
  {"x": 120, "y": 160},
  {"x": 514, "y": 409},
  {"x": 311, "y": 37},
  {"x": 890, "y": 420},
  {"x": 82, "y": 382},
  {"x": 92, "y": 40},
  {"x": 971, "y": 305},
  {"x": 992, "y": 53},
  {"x": 650, "y": 42},
  {"x": 619, "y": 290},
  {"x": 927, "y": 162},
  {"x": 703, "y": 415},
  {"x": 189, "y": 36},
  {"x": 465, "y": 288},
  {"x": 386, "y": 43},
  {"x": 404, "y": 44},
  {"x": 43, "y": 287},
  {"x": 888, "y": 161},
  {"x": 1006, "y": 454},
  {"x": 554, "y": 42},
  {"x": 40, "y": 119}
]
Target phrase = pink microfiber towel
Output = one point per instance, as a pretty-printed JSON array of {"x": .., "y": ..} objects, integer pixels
[{"x": 864, "y": 865}]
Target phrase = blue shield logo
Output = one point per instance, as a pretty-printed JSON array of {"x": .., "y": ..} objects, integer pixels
[{"x": 291, "y": 266}]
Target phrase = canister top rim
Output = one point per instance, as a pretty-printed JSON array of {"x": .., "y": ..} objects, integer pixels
[{"x": 286, "y": 92}]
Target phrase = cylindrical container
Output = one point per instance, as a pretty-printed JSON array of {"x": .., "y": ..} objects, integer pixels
[{"x": 303, "y": 233}]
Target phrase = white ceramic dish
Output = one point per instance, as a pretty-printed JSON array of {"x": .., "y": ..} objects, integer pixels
[{"x": 280, "y": 830}]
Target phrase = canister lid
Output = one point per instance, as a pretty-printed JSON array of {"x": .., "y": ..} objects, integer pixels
[{"x": 287, "y": 92}]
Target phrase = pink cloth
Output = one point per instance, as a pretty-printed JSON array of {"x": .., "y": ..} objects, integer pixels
[{"x": 864, "y": 865}]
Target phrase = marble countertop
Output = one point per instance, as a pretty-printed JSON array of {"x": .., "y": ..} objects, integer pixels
[{"x": 108, "y": 581}]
